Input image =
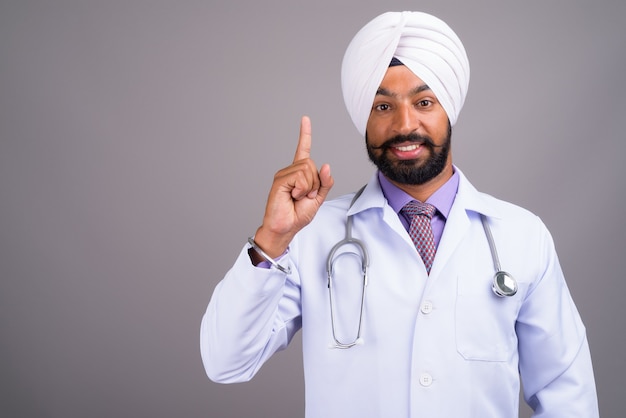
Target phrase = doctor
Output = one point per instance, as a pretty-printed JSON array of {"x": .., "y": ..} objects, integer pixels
[{"x": 431, "y": 339}]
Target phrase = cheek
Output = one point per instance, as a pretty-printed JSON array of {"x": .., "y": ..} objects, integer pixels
[
  {"x": 374, "y": 134},
  {"x": 439, "y": 125}
]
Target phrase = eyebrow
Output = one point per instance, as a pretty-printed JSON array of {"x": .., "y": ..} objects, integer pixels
[{"x": 384, "y": 92}]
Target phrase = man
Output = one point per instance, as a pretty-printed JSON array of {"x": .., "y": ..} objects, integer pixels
[{"x": 429, "y": 337}]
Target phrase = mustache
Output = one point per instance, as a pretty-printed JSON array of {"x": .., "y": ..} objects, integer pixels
[{"x": 403, "y": 139}]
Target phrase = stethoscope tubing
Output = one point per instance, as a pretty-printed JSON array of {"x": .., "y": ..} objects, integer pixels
[
  {"x": 360, "y": 245},
  {"x": 504, "y": 285}
]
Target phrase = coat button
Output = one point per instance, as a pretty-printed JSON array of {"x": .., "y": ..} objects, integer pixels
[
  {"x": 426, "y": 379},
  {"x": 427, "y": 307}
]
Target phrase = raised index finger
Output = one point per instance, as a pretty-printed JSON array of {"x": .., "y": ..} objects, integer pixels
[{"x": 304, "y": 142}]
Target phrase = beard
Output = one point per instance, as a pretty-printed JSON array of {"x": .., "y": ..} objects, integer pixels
[{"x": 411, "y": 171}]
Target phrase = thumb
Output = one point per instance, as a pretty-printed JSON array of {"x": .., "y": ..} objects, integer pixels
[{"x": 326, "y": 182}]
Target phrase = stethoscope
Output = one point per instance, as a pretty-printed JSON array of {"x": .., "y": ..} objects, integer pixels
[{"x": 504, "y": 284}]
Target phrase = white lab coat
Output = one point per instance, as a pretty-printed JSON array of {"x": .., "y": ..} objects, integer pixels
[{"x": 434, "y": 346}]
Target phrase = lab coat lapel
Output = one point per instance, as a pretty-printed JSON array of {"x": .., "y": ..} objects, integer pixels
[
  {"x": 457, "y": 226},
  {"x": 468, "y": 199},
  {"x": 373, "y": 197}
]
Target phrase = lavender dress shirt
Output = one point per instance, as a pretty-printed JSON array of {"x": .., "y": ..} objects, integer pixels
[{"x": 442, "y": 199}]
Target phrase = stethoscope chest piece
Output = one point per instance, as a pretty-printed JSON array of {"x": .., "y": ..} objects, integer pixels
[{"x": 504, "y": 284}]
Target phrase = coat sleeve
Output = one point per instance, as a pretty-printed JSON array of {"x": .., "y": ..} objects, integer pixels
[
  {"x": 555, "y": 361},
  {"x": 253, "y": 313}
]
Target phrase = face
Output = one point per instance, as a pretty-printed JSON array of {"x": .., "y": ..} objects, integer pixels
[{"x": 408, "y": 132}]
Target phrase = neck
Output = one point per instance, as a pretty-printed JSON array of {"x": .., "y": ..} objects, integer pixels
[{"x": 422, "y": 192}]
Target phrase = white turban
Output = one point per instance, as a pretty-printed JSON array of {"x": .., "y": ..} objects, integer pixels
[{"x": 423, "y": 43}]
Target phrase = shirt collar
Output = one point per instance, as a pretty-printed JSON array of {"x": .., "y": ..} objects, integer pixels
[{"x": 442, "y": 199}]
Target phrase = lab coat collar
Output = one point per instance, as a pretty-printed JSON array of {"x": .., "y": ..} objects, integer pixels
[
  {"x": 474, "y": 201},
  {"x": 467, "y": 196}
]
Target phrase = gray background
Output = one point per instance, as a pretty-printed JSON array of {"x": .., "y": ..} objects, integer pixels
[{"x": 138, "y": 140}]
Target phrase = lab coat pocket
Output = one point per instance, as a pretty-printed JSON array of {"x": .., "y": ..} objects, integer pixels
[{"x": 485, "y": 323}]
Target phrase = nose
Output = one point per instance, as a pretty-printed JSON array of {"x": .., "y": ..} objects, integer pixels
[{"x": 406, "y": 120}]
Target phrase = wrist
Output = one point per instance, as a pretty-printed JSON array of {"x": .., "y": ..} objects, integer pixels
[
  {"x": 272, "y": 244},
  {"x": 257, "y": 256}
]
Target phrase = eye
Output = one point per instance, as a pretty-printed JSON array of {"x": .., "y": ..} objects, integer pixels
[
  {"x": 382, "y": 107},
  {"x": 424, "y": 103}
]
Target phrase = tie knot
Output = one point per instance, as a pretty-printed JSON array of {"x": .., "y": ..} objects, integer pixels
[{"x": 415, "y": 208}]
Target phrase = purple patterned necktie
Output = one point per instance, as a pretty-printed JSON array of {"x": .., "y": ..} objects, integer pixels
[{"x": 421, "y": 231}]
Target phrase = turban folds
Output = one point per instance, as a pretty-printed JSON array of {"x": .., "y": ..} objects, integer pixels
[{"x": 425, "y": 44}]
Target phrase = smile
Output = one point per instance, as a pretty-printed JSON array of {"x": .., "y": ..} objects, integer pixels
[{"x": 407, "y": 148}]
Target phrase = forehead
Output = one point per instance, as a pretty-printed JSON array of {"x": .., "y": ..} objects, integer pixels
[{"x": 400, "y": 80}]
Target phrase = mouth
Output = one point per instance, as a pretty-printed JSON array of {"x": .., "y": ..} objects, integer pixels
[
  {"x": 408, "y": 148},
  {"x": 407, "y": 151}
]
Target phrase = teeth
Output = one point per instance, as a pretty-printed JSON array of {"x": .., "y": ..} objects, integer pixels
[{"x": 408, "y": 148}]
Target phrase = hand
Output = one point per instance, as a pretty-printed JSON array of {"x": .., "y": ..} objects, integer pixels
[{"x": 296, "y": 195}]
